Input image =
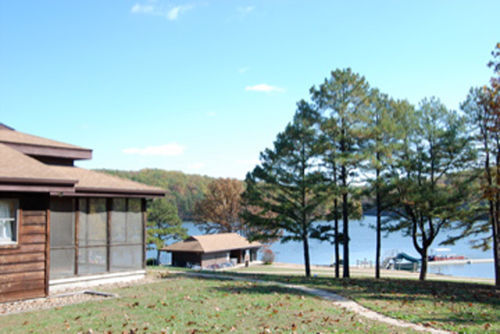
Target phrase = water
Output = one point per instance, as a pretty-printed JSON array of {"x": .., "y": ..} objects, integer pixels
[{"x": 362, "y": 249}]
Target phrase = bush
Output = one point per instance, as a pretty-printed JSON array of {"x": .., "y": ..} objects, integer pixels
[{"x": 267, "y": 256}]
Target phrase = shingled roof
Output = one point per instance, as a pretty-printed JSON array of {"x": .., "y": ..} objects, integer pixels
[
  {"x": 95, "y": 182},
  {"x": 9, "y": 135},
  {"x": 20, "y": 170},
  {"x": 210, "y": 243},
  {"x": 38, "y": 146}
]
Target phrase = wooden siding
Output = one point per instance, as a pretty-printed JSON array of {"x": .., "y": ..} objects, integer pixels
[{"x": 24, "y": 267}]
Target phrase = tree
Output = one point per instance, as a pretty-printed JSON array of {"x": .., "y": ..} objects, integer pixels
[
  {"x": 326, "y": 232},
  {"x": 384, "y": 138},
  {"x": 482, "y": 107},
  {"x": 163, "y": 224},
  {"x": 343, "y": 100},
  {"x": 287, "y": 188},
  {"x": 219, "y": 211},
  {"x": 432, "y": 183}
]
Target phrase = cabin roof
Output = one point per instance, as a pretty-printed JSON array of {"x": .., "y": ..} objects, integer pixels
[
  {"x": 16, "y": 167},
  {"x": 39, "y": 146},
  {"x": 210, "y": 243},
  {"x": 96, "y": 182},
  {"x": 20, "y": 170},
  {"x": 9, "y": 135}
]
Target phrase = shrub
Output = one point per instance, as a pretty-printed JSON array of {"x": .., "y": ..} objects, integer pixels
[{"x": 267, "y": 256}]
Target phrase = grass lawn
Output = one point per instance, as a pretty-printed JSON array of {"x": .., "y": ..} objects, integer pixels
[
  {"x": 179, "y": 304},
  {"x": 454, "y": 306}
]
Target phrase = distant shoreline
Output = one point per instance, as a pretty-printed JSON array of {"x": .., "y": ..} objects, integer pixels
[{"x": 323, "y": 270}]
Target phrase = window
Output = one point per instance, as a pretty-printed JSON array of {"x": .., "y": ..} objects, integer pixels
[{"x": 8, "y": 221}]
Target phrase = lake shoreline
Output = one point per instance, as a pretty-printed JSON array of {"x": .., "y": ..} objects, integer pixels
[{"x": 284, "y": 268}]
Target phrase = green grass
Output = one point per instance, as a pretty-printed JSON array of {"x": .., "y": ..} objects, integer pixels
[
  {"x": 179, "y": 304},
  {"x": 454, "y": 306}
]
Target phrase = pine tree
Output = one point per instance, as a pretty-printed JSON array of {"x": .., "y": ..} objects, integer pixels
[
  {"x": 385, "y": 132},
  {"x": 163, "y": 224},
  {"x": 286, "y": 191},
  {"x": 432, "y": 185},
  {"x": 343, "y": 100}
]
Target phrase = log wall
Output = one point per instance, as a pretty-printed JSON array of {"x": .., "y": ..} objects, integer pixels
[{"x": 24, "y": 266}]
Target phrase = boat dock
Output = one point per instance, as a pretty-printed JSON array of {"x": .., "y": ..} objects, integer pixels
[{"x": 464, "y": 261}]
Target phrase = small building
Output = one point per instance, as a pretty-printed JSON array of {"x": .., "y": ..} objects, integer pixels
[
  {"x": 63, "y": 225},
  {"x": 212, "y": 250}
]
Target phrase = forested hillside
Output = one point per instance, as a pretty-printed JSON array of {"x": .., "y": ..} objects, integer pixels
[{"x": 183, "y": 189}]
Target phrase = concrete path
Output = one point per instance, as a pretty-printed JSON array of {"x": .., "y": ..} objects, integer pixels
[{"x": 336, "y": 299}]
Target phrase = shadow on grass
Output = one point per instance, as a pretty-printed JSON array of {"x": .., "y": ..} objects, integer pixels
[
  {"x": 393, "y": 289},
  {"x": 248, "y": 287}
]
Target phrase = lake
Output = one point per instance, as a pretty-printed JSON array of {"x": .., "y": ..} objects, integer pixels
[{"x": 362, "y": 248}]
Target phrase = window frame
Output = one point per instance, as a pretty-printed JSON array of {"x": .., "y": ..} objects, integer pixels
[{"x": 14, "y": 223}]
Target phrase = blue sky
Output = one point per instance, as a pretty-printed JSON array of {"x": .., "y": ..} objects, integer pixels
[{"x": 204, "y": 86}]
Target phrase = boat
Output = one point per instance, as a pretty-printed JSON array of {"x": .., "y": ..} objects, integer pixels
[{"x": 438, "y": 256}]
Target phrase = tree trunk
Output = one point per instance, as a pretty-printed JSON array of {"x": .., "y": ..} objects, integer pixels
[
  {"x": 423, "y": 264},
  {"x": 496, "y": 249},
  {"x": 158, "y": 253},
  {"x": 379, "y": 213},
  {"x": 306, "y": 255},
  {"x": 496, "y": 243},
  {"x": 337, "y": 250},
  {"x": 345, "y": 207},
  {"x": 345, "y": 220}
]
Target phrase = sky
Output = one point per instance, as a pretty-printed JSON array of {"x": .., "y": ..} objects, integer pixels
[{"x": 204, "y": 86}]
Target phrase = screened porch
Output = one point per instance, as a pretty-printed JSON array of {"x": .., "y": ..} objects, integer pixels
[{"x": 90, "y": 236}]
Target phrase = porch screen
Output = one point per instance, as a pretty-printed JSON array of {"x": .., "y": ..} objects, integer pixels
[
  {"x": 92, "y": 236},
  {"x": 62, "y": 237},
  {"x": 126, "y": 235}
]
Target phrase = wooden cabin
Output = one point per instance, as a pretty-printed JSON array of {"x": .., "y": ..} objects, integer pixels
[
  {"x": 212, "y": 250},
  {"x": 62, "y": 225}
]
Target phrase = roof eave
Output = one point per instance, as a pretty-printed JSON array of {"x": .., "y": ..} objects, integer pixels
[
  {"x": 75, "y": 153},
  {"x": 166, "y": 249},
  {"x": 114, "y": 192},
  {"x": 16, "y": 184},
  {"x": 37, "y": 181}
]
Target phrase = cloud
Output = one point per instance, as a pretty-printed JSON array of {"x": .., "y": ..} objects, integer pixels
[
  {"x": 167, "y": 150},
  {"x": 142, "y": 9},
  {"x": 152, "y": 8},
  {"x": 174, "y": 13},
  {"x": 211, "y": 114},
  {"x": 264, "y": 88}
]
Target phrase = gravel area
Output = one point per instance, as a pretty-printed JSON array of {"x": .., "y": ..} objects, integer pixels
[
  {"x": 68, "y": 297},
  {"x": 46, "y": 303}
]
